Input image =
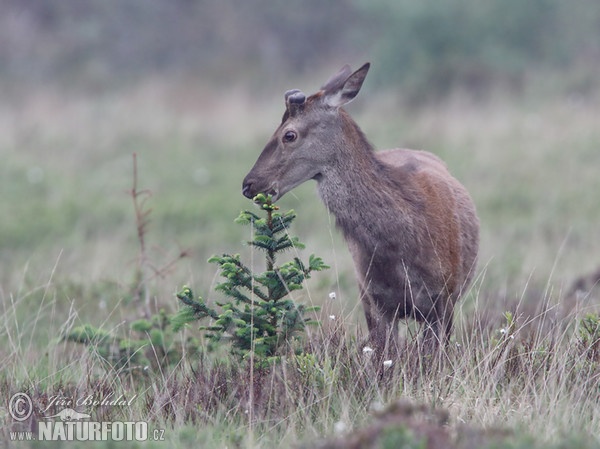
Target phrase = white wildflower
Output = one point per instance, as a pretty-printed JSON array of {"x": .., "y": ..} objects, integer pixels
[
  {"x": 332, "y": 296},
  {"x": 376, "y": 406},
  {"x": 340, "y": 427},
  {"x": 332, "y": 317},
  {"x": 367, "y": 350},
  {"x": 387, "y": 363}
]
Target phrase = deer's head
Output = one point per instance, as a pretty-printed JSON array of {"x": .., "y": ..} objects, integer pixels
[{"x": 308, "y": 140}]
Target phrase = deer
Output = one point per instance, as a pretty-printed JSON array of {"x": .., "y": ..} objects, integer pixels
[{"x": 411, "y": 228}]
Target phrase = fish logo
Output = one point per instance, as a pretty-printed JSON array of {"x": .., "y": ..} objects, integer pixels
[{"x": 68, "y": 414}]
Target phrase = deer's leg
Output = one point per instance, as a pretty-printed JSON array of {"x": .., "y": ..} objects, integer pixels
[{"x": 437, "y": 326}]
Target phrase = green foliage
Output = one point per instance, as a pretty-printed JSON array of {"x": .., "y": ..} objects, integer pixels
[
  {"x": 88, "y": 334},
  {"x": 432, "y": 46},
  {"x": 141, "y": 325},
  {"x": 149, "y": 344},
  {"x": 589, "y": 335},
  {"x": 260, "y": 317},
  {"x": 401, "y": 437},
  {"x": 590, "y": 329},
  {"x": 316, "y": 375},
  {"x": 504, "y": 336}
]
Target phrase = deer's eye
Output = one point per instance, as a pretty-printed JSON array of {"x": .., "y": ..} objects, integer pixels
[{"x": 290, "y": 136}]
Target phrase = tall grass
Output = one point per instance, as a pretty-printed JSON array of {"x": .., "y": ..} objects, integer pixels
[
  {"x": 69, "y": 253},
  {"x": 504, "y": 378}
]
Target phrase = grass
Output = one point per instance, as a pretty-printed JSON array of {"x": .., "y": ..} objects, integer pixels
[
  {"x": 496, "y": 387},
  {"x": 69, "y": 256}
]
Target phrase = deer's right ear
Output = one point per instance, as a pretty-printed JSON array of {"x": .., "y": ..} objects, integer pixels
[{"x": 343, "y": 87}]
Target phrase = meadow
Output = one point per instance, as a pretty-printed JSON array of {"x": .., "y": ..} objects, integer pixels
[{"x": 70, "y": 255}]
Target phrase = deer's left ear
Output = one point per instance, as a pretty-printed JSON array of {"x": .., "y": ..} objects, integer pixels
[{"x": 342, "y": 88}]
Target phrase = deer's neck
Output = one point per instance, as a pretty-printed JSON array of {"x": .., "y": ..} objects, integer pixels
[{"x": 360, "y": 191}]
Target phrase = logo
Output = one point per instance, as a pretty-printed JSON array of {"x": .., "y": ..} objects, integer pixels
[
  {"x": 20, "y": 406},
  {"x": 68, "y": 414},
  {"x": 70, "y": 424}
]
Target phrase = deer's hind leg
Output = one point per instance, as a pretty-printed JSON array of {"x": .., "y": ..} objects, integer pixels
[{"x": 437, "y": 325}]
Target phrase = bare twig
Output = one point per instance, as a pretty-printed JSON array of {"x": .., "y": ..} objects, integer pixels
[{"x": 146, "y": 270}]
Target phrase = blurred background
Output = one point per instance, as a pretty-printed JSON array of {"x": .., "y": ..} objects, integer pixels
[
  {"x": 505, "y": 91},
  {"x": 425, "y": 47}
]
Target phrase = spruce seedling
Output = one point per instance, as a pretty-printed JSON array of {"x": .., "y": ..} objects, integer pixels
[{"x": 260, "y": 316}]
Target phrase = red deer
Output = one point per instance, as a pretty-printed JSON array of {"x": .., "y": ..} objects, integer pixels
[{"x": 411, "y": 228}]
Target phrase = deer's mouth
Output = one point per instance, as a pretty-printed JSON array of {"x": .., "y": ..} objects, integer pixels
[
  {"x": 274, "y": 192},
  {"x": 249, "y": 190}
]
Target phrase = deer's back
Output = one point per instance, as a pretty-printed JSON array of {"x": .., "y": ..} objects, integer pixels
[{"x": 420, "y": 160}]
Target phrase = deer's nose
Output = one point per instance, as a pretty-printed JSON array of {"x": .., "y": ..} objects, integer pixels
[{"x": 247, "y": 190}]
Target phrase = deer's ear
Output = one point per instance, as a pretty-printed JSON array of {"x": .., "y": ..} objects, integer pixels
[{"x": 344, "y": 86}]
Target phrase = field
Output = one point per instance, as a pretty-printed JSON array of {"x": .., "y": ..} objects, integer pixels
[{"x": 70, "y": 255}]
